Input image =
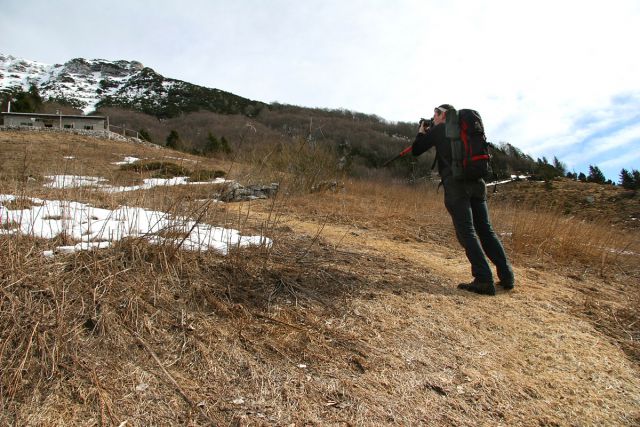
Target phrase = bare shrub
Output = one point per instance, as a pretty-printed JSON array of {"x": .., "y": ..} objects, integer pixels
[{"x": 298, "y": 164}]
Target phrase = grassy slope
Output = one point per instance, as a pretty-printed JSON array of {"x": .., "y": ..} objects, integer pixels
[
  {"x": 351, "y": 319},
  {"x": 586, "y": 201}
]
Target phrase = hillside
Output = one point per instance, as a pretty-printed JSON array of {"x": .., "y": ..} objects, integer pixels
[
  {"x": 585, "y": 201},
  {"x": 350, "y": 317}
]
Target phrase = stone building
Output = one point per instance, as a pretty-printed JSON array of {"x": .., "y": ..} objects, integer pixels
[{"x": 57, "y": 121}]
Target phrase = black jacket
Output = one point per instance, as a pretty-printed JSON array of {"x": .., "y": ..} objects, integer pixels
[{"x": 435, "y": 137}]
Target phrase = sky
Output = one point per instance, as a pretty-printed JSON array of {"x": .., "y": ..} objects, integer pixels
[{"x": 554, "y": 78}]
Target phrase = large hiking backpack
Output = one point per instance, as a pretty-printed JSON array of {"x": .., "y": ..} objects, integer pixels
[{"x": 469, "y": 147}]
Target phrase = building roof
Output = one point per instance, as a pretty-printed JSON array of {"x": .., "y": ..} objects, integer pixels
[{"x": 51, "y": 116}]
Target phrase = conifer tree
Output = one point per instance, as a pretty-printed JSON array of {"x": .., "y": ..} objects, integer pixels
[
  {"x": 144, "y": 135},
  {"x": 225, "y": 145},
  {"x": 173, "y": 140},
  {"x": 626, "y": 179},
  {"x": 560, "y": 167},
  {"x": 636, "y": 179},
  {"x": 630, "y": 180},
  {"x": 596, "y": 175},
  {"x": 27, "y": 102},
  {"x": 213, "y": 145}
]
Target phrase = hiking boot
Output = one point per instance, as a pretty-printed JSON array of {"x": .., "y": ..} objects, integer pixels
[
  {"x": 506, "y": 279},
  {"x": 506, "y": 285},
  {"x": 484, "y": 288}
]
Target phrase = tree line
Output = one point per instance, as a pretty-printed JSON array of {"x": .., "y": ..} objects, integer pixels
[
  {"x": 174, "y": 141},
  {"x": 28, "y": 101}
]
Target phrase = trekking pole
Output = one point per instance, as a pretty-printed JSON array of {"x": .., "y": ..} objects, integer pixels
[{"x": 402, "y": 154}]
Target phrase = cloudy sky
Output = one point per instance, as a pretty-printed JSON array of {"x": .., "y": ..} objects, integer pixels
[{"x": 554, "y": 78}]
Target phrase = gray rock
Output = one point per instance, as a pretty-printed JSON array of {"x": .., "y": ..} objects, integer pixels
[{"x": 235, "y": 192}]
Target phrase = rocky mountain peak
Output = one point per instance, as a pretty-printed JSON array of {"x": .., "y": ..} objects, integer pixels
[
  {"x": 90, "y": 84},
  {"x": 104, "y": 67}
]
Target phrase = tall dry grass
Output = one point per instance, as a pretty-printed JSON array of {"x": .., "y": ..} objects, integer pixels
[
  {"x": 299, "y": 165},
  {"x": 63, "y": 320},
  {"x": 544, "y": 236},
  {"x": 551, "y": 236}
]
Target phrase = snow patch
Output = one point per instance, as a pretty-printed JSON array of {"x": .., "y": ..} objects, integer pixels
[
  {"x": 127, "y": 161},
  {"x": 74, "y": 181},
  {"x": 160, "y": 182},
  {"x": 506, "y": 181},
  {"x": 97, "y": 228}
]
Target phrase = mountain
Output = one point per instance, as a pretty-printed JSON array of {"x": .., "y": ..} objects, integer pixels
[{"x": 90, "y": 84}]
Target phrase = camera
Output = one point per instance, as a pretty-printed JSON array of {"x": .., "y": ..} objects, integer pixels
[{"x": 427, "y": 122}]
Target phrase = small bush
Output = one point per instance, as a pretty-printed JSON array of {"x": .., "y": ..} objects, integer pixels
[
  {"x": 206, "y": 175},
  {"x": 171, "y": 170},
  {"x": 161, "y": 169},
  {"x": 306, "y": 164}
]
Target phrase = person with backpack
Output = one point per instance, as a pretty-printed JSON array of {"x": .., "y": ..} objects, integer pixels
[{"x": 462, "y": 157}]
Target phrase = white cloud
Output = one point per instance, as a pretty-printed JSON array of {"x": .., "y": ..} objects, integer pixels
[
  {"x": 622, "y": 138},
  {"x": 622, "y": 162}
]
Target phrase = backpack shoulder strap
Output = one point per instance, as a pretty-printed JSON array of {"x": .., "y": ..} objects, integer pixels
[{"x": 451, "y": 125}]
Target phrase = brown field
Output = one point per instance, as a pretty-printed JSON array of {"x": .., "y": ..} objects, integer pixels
[{"x": 351, "y": 318}]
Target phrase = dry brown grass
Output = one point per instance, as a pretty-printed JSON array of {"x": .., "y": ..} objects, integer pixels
[
  {"x": 586, "y": 201},
  {"x": 552, "y": 237},
  {"x": 351, "y": 318}
]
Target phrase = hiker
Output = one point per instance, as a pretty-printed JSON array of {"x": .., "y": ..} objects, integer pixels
[{"x": 466, "y": 201}]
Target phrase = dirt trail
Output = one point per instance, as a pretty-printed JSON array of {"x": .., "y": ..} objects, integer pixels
[{"x": 524, "y": 356}]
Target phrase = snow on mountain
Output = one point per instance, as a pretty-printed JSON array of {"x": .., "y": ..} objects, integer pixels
[
  {"x": 89, "y": 84},
  {"x": 20, "y": 72},
  {"x": 82, "y": 83}
]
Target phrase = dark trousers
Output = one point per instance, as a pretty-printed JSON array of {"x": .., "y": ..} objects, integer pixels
[{"x": 467, "y": 205}]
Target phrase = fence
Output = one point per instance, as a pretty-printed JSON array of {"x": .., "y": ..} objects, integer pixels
[{"x": 123, "y": 131}]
